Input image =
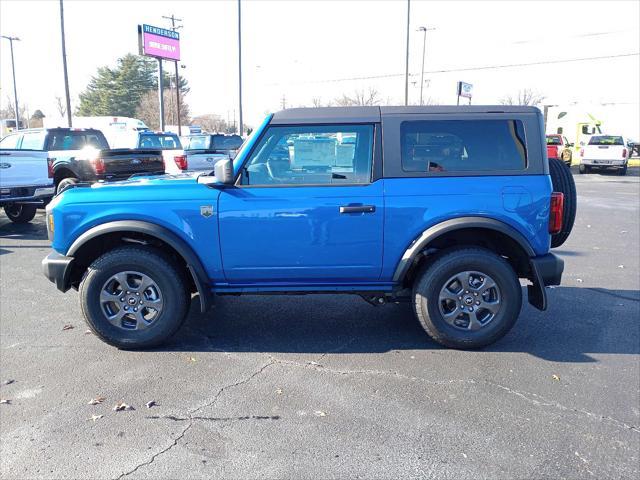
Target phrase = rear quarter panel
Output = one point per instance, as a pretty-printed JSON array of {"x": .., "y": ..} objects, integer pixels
[{"x": 414, "y": 204}]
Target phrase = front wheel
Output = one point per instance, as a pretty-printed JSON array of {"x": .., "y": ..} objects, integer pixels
[
  {"x": 20, "y": 212},
  {"x": 65, "y": 183},
  {"x": 133, "y": 297},
  {"x": 467, "y": 298}
]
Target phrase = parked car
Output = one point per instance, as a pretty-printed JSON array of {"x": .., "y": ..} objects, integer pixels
[
  {"x": 442, "y": 207},
  {"x": 203, "y": 151},
  {"x": 606, "y": 152},
  {"x": 175, "y": 160},
  {"x": 26, "y": 178},
  {"x": 559, "y": 147}
]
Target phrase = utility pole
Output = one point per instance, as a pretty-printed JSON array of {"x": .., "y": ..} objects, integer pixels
[
  {"x": 160, "y": 96},
  {"x": 406, "y": 71},
  {"x": 424, "y": 46},
  {"x": 64, "y": 66},
  {"x": 240, "y": 66},
  {"x": 15, "y": 89},
  {"x": 174, "y": 28}
]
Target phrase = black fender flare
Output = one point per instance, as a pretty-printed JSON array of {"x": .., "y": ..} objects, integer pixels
[
  {"x": 433, "y": 232},
  {"x": 194, "y": 265}
]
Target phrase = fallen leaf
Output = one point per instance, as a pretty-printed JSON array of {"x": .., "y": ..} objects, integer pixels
[
  {"x": 623, "y": 231},
  {"x": 313, "y": 363},
  {"x": 88, "y": 332},
  {"x": 5, "y": 400},
  {"x": 96, "y": 417},
  {"x": 579, "y": 280},
  {"x": 596, "y": 248},
  {"x": 620, "y": 266},
  {"x": 68, "y": 327},
  {"x": 191, "y": 359},
  {"x": 320, "y": 413},
  {"x": 96, "y": 401},
  {"x": 555, "y": 377},
  {"x": 588, "y": 226},
  {"x": 464, "y": 455},
  {"x": 120, "y": 406},
  {"x": 279, "y": 391},
  {"x": 8, "y": 381},
  {"x": 150, "y": 404}
]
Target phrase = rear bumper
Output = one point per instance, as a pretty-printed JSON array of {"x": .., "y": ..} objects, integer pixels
[
  {"x": 618, "y": 163},
  {"x": 546, "y": 270},
  {"x": 57, "y": 268}
]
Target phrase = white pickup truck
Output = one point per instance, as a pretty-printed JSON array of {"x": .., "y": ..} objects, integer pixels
[
  {"x": 26, "y": 177},
  {"x": 606, "y": 151},
  {"x": 204, "y": 150}
]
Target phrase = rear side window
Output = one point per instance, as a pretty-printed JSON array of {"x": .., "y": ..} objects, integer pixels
[
  {"x": 33, "y": 141},
  {"x": 66, "y": 140},
  {"x": 606, "y": 140},
  {"x": 10, "y": 142},
  {"x": 463, "y": 145}
]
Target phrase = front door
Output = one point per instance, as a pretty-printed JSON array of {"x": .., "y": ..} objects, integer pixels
[{"x": 305, "y": 210}]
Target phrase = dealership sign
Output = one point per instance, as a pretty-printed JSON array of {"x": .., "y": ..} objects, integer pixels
[
  {"x": 159, "y": 42},
  {"x": 465, "y": 89}
]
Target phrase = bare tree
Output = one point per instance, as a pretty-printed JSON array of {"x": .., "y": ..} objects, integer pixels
[
  {"x": 148, "y": 109},
  {"x": 359, "y": 97},
  {"x": 61, "y": 106},
  {"x": 9, "y": 111},
  {"x": 525, "y": 96}
]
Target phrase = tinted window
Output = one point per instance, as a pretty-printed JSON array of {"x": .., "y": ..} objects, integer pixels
[
  {"x": 606, "y": 140},
  {"x": 33, "y": 141},
  {"x": 553, "y": 140},
  {"x": 159, "y": 141},
  {"x": 10, "y": 142},
  {"x": 311, "y": 155},
  {"x": 462, "y": 145},
  {"x": 76, "y": 140}
]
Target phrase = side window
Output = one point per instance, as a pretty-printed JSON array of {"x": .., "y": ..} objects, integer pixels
[
  {"x": 33, "y": 141},
  {"x": 311, "y": 155},
  {"x": 10, "y": 142},
  {"x": 462, "y": 145}
]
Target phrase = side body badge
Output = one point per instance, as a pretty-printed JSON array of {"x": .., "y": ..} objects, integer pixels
[{"x": 206, "y": 211}]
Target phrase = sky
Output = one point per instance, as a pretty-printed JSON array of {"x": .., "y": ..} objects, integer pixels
[{"x": 295, "y": 51}]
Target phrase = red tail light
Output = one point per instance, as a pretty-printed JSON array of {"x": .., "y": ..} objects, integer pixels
[
  {"x": 624, "y": 153},
  {"x": 50, "y": 167},
  {"x": 582, "y": 152},
  {"x": 98, "y": 166},
  {"x": 181, "y": 162},
  {"x": 555, "y": 212}
]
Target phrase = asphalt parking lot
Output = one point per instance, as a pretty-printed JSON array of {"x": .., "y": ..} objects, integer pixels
[{"x": 332, "y": 387}]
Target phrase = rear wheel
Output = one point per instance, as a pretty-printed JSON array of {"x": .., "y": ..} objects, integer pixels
[
  {"x": 623, "y": 170},
  {"x": 133, "y": 297},
  {"x": 20, "y": 212},
  {"x": 584, "y": 169},
  {"x": 467, "y": 298},
  {"x": 563, "y": 182},
  {"x": 65, "y": 183}
]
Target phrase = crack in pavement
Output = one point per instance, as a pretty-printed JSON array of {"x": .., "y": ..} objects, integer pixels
[
  {"x": 532, "y": 398},
  {"x": 190, "y": 418}
]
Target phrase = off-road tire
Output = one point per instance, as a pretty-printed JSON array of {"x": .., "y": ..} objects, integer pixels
[
  {"x": 431, "y": 279},
  {"x": 65, "y": 183},
  {"x": 20, "y": 212},
  {"x": 161, "y": 269},
  {"x": 562, "y": 181},
  {"x": 584, "y": 169}
]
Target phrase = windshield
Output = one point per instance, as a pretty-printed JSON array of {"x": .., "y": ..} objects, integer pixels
[
  {"x": 162, "y": 141},
  {"x": 606, "y": 140},
  {"x": 70, "y": 140},
  {"x": 226, "y": 142},
  {"x": 197, "y": 142},
  {"x": 553, "y": 141},
  {"x": 248, "y": 145}
]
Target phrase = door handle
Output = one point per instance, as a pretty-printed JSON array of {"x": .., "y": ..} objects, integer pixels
[
  {"x": 357, "y": 209},
  {"x": 5, "y": 165},
  {"x": 5, "y": 153}
]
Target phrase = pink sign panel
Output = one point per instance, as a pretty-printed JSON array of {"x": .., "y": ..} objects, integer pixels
[{"x": 158, "y": 42}]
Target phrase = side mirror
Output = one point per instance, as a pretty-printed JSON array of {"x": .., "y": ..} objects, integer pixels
[{"x": 223, "y": 170}]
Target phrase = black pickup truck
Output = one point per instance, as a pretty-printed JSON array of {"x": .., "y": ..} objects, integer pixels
[{"x": 83, "y": 155}]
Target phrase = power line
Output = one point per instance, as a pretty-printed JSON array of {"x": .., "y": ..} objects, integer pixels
[{"x": 468, "y": 69}]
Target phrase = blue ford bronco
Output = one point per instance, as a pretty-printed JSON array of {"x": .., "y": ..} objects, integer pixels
[{"x": 444, "y": 207}]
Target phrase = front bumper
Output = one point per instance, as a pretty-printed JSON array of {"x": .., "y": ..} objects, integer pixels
[
  {"x": 57, "y": 268},
  {"x": 33, "y": 194},
  {"x": 546, "y": 270}
]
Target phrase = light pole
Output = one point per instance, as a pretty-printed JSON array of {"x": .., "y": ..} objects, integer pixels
[
  {"x": 15, "y": 90},
  {"x": 64, "y": 65},
  {"x": 240, "y": 67},
  {"x": 424, "y": 46},
  {"x": 406, "y": 71}
]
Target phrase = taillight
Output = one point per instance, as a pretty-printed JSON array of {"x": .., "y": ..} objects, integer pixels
[
  {"x": 50, "y": 167},
  {"x": 181, "y": 162},
  {"x": 98, "y": 166},
  {"x": 624, "y": 153},
  {"x": 582, "y": 152},
  {"x": 555, "y": 212}
]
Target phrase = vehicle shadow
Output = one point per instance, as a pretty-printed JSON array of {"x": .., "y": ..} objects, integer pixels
[
  {"x": 36, "y": 230},
  {"x": 580, "y": 322}
]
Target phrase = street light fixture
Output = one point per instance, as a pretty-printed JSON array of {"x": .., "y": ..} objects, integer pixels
[
  {"x": 424, "y": 45},
  {"x": 13, "y": 69}
]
